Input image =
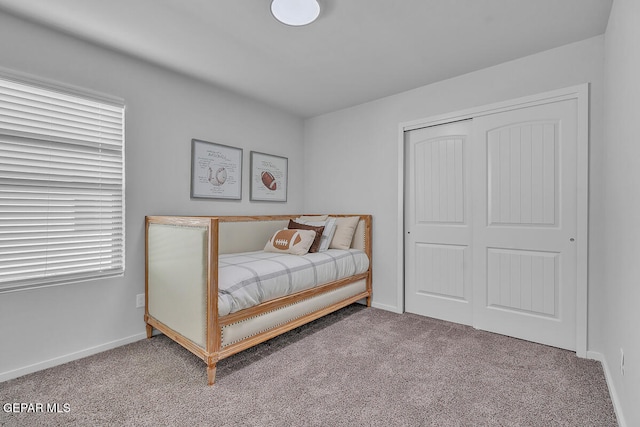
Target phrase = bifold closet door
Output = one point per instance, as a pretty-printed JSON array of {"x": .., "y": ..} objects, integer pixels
[
  {"x": 437, "y": 222},
  {"x": 524, "y": 225}
]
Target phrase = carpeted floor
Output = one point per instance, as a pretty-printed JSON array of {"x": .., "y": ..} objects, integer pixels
[{"x": 359, "y": 366}]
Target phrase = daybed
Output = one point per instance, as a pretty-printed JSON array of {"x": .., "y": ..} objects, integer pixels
[{"x": 190, "y": 259}]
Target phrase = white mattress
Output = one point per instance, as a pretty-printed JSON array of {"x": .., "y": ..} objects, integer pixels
[{"x": 250, "y": 278}]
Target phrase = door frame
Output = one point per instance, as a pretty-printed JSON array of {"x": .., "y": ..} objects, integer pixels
[{"x": 580, "y": 93}]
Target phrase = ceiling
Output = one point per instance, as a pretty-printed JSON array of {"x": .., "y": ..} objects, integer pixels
[{"x": 357, "y": 51}]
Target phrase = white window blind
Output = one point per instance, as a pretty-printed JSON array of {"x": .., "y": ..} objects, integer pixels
[{"x": 61, "y": 187}]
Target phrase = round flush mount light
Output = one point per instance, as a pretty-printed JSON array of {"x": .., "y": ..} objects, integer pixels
[{"x": 295, "y": 12}]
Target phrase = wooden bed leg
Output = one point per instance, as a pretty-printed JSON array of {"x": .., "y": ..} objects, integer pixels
[
  {"x": 149, "y": 330},
  {"x": 369, "y": 298},
  {"x": 211, "y": 373}
]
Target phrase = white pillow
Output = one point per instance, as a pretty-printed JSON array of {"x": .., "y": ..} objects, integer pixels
[
  {"x": 327, "y": 233},
  {"x": 345, "y": 228},
  {"x": 295, "y": 242},
  {"x": 302, "y": 218}
]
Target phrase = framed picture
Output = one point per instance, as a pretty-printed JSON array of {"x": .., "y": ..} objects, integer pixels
[
  {"x": 268, "y": 177},
  {"x": 216, "y": 171}
]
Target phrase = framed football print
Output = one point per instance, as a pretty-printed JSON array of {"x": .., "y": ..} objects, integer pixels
[
  {"x": 268, "y": 177},
  {"x": 216, "y": 171}
]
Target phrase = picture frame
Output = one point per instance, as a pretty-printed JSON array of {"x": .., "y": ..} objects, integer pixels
[
  {"x": 269, "y": 177},
  {"x": 216, "y": 171}
]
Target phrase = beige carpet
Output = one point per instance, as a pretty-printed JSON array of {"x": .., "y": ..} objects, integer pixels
[{"x": 359, "y": 366}]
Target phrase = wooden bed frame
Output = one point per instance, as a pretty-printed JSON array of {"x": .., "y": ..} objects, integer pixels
[{"x": 173, "y": 297}]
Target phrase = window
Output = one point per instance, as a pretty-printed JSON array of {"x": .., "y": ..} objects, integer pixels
[{"x": 61, "y": 186}]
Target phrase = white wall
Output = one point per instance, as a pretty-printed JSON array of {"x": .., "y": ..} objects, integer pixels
[
  {"x": 351, "y": 156},
  {"x": 621, "y": 323},
  {"x": 43, "y": 327}
]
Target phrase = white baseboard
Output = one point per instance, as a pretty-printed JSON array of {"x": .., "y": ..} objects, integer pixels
[
  {"x": 594, "y": 355},
  {"x": 9, "y": 375},
  {"x": 386, "y": 307}
]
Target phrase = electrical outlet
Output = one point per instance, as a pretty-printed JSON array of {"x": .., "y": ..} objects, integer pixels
[
  {"x": 622, "y": 362},
  {"x": 139, "y": 300}
]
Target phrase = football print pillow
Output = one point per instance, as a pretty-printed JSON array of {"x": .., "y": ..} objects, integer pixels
[{"x": 295, "y": 242}]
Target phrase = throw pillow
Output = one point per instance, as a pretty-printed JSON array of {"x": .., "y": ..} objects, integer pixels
[
  {"x": 305, "y": 218},
  {"x": 345, "y": 228},
  {"x": 329, "y": 229},
  {"x": 315, "y": 246},
  {"x": 295, "y": 242}
]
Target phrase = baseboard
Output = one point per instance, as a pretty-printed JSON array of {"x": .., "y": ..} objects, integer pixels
[
  {"x": 9, "y": 375},
  {"x": 594, "y": 355},
  {"x": 386, "y": 307}
]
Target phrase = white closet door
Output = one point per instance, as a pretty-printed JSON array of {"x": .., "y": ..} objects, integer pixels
[
  {"x": 524, "y": 225},
  {"x": 437, "y": 223},
  {"x": 490, "y": 222}
]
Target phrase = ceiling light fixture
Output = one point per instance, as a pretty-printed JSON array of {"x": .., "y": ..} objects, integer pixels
[{"x": 295, "y": 12}]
